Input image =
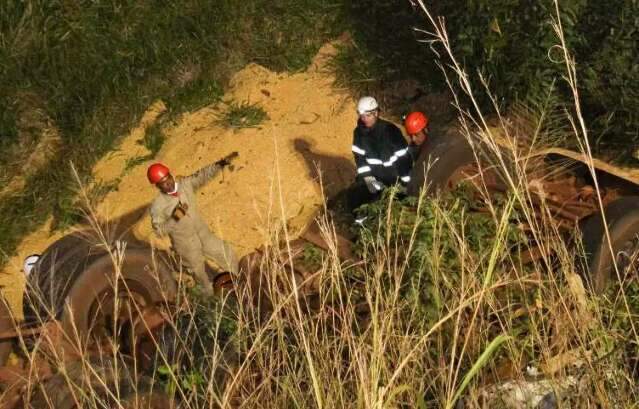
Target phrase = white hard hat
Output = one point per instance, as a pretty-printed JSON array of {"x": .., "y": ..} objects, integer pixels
[
  {"x": 366, "y": 104},
  {"x": 29, "y": 263}
]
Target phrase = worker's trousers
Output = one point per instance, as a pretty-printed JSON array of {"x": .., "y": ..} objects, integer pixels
[{"x": 202, "y": 245}]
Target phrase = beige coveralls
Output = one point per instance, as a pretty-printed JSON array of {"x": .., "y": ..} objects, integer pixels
[{"x": 190, "y": 236}]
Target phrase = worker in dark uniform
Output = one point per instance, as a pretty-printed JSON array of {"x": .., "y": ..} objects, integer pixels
[
  {"x": 381, "y": 155},
  {"x": 174, "y": 212}
]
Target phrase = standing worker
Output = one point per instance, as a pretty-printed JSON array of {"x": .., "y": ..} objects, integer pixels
[
  {"x": 174, "y": 212},
  {"x": 381, "y": 155}
]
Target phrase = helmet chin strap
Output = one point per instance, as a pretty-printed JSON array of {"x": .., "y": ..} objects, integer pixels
[{"x": 175, "y": 189}]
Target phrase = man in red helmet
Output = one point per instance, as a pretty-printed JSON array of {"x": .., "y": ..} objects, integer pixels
[
  {"x": 416, "y": 124},
  {"x": 174, "y": 212}
]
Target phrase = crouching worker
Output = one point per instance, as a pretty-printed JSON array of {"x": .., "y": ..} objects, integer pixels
[
  {"x": 416, "y": 124},
  {"x": 381, "y": 155},
  {"x": 174, "y": 212}
]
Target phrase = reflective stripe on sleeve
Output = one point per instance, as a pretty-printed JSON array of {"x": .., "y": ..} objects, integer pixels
[
  {"x": 405, "y": 179},
  {"x": 395, "y": 157},
  {"x": 401, "y": 152},
  {"x": 364, "y": 169},
  {"x": 374, "y": 161},
  {"x": 390, "y": 162},
  {"x": 358, "y": 150}
]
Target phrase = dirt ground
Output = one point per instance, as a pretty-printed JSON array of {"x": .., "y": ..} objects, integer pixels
[{"x": 275, "y": 179}]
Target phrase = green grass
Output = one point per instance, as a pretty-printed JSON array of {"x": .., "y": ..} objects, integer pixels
[
  {"x": 242, "y": 115},
  {"x": 356, "y": 68},
  {"x": 153, "y": 138},
  {"x": 195, "y": 95}
]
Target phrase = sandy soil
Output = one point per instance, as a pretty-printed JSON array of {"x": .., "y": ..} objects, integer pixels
[{"x": 275, "y": 179}]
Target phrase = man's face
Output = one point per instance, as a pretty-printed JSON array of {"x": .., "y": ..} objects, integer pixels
[
  {"x": 166, "y": 184},
  {"x": 419, "y": 138},
  {"x": 368, "y": 119}
]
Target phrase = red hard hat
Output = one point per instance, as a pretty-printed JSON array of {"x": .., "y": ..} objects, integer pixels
[
  {"x": 415, "y": 122},
  {"x": 157, "y": 172}
]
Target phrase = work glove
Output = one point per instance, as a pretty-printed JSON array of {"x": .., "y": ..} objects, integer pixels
[
  {"x": 226, "y": 161},
  {"x": 373, "y": 185}
]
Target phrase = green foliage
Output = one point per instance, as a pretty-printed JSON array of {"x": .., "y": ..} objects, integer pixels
[
  {"x": 439, "y": 241},
  {"x": 312, "y": 257},
  {"x": 243, "y": 115},
  {"x": 206, "y": 328},
  {"x": 492, "y": 347},
  {"x": 72, "y": 209},
  {"x": 512, "y": 43},
  {"x": 621, "y": 313},
  {"x": 285, "y": 35},
  {"x": 153, "y": 138},
  {"x": 135, "y": 161},
  {"x": 384, "y": 29},
  {"x": 195, "y": 95},
  {"x": 8, "y": 128},
  {"x": 356, "y": 68}
]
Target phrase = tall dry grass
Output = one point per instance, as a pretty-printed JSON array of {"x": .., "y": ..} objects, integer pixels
[{"x": 441, "y": 311}]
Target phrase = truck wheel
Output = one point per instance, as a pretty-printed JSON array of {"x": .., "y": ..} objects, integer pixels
[
  {"x": 622, "y": 217},
  {"x": 56, "y": 270},
  {"x": 100, "y": 386},
  {"x": 444, "y": 162},
  {"x": 105, "y": 301}
]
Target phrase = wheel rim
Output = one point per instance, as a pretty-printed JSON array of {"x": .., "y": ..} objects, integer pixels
[{"x": 112, "y": 315}]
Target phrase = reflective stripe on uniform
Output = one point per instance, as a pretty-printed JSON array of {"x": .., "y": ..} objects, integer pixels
[
  {"x": 405, "y": 179},
  {"x": 390, "y": 162},
  {"x": 364, "y": 169},
  {"x": 375, "y": 161},
  {"x": 396, "y": 156},
  {"x": 358, "y": 150},
  {"x": 401, "y": 152}
]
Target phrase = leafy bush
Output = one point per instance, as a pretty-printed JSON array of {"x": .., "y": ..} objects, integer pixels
[
  {"x": 427, "y": 238},
  {"x": 243, "y": 115},
  {"x": 512, "y": 44}
]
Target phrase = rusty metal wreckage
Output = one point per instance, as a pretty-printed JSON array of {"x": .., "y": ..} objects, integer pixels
[{"x": 80, "y": 299}]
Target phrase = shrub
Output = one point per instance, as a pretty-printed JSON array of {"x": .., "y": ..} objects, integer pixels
[{"x": 511, "y": 44}]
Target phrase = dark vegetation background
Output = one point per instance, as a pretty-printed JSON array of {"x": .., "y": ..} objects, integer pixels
[{"x": 92, "y": 67}]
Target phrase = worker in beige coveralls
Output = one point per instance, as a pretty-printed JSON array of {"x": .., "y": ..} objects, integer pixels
[{"x": 174, "y": 212}]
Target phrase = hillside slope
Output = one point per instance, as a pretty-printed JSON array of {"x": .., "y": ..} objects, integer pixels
[{"x": 275, "y": 178}]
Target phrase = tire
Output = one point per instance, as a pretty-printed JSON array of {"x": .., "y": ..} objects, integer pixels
[
  {"x": 439, "y": 159},
  {"x": 622, "y": 217},
  {"x": 141, "y": 283},
  {"x": 55, "y": 272},
  {"x": 100, "y": 386}
]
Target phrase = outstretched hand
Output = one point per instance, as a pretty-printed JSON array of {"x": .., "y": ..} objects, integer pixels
[{"x": 225, "y": 161}]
